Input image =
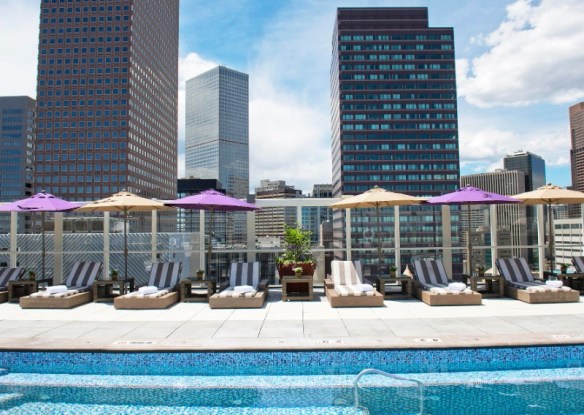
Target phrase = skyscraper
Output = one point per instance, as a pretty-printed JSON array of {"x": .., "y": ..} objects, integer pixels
[
  {"x": 394, "y": 111},
  {"x": 577, "y": 150},
  {"x": 217, "y": 129},
  {"x": 531, "y": 164},
  {"x": 16, "y": 143},
  {"x": 107, "y": 92}
]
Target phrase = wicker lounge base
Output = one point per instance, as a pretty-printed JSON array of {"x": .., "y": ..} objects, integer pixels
[
  {"x": 146, "y": 303},
  {"x": 336, "y": 300},
  {"x": 256, "y": 301},
  {"x": 448, "y": 299},
  {"x": 64, "y": 302},
  {"x": 542, "y": 297},
  {"x": 3, "y": 296}
]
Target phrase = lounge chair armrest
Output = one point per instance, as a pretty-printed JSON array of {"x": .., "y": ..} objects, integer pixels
[
  {"x": 263, "y": 285},
  {"x": 328, "y": 283}
]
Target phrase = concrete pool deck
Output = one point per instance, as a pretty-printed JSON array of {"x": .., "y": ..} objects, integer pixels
[{"x": 302, "y": 325}]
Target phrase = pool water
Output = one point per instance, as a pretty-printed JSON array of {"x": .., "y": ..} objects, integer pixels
[{"x": 532, "y": 380}]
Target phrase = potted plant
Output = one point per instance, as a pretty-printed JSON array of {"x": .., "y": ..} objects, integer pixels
[
  {"x": 114, "y": 274},
  {"x": 480, "y": 269},
  {"x": 31, "y": 275},
  {"x": 564, "y": 268},
  {"x": 297, "y": 271},
  {"x": 297, "y": 252},
  {"x": 200, "y": 274},
  {"x": 392, "y": 271}
]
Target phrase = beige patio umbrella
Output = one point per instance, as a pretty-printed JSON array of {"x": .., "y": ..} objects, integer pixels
[
  {"x": 551, "y": 195},
  {"x": 124, "y": 202},
  {"x": 377, "y": 198}
]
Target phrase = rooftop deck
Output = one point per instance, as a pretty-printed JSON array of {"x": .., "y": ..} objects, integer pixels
[{"x": 299, "y": 325}]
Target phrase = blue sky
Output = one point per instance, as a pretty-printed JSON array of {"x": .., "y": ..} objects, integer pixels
[{"x": 519, "y": 68}]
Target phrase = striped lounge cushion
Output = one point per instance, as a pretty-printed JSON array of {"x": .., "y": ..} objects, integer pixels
[
  {"x": 138, "y": 294},
  {"x": 242, "y": 273},
  {"x": 44, "y": 294},
  {"x": 347, "y": 278},
  {"x": 430, "y": 273},
  {"x": 9, "y": 274},
  {"x": 82, "y": 275},
  {"x": 165, "y": 275},
  {"x": 578, "y": 262}
]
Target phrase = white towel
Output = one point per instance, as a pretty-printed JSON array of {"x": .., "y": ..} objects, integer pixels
[
  {"x": 242, "y": 289},
  {"x": 554, "y": 283},
  {"x": 456, "y": 286},
  {"x": 55, "y": 289},
  {"x": 364, "y": 287},
  {"x": 147, "y": 290}
]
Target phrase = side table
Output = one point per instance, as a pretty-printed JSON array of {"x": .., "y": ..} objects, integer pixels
[
  {"x": 494, "y": 285},
  {"x": 107, "y": 290},
  {"x": 196, "y": 289},
  {"x": 574, "y": 280},
  {"x": 22, "y": 288},
  {"x": 397, "y": 287},
  {"x": 297, "y": 288}
]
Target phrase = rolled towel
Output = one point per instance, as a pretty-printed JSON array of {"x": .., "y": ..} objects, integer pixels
[
  {"x": 147, "y": 290},
  {"x": 554, "y": 283},
  {"x": 456, "y": 286},
  {"x": 242, "y": 289},
  {"x": 364, "y": 287},
  {"x": 55, "y": 289}
]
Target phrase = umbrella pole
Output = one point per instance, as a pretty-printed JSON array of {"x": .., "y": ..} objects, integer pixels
[
  {"x": 469, "y": 240},
  {"x": 210, "y": 245},
  {"x": 378, "y": 241},
  {"x": 551, "y": 236},
  {"x": 43, "y": 251},
  {"x": 125, "y": 244}
]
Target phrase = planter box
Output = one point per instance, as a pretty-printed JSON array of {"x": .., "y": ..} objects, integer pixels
[{"x": 287, "y": 270}]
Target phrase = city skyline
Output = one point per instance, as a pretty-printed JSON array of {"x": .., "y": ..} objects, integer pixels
[{"x": 525, "y": 108}]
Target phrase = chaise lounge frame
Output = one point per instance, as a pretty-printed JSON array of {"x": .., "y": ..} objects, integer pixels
[
  {"x": 242, "y": 274},
  {"x": 353, "y": 275}
]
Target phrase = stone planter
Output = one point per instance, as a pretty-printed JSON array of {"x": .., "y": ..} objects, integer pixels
[{"x": 288, "y": 270}]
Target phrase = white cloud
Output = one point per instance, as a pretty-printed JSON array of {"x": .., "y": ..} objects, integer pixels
[
  {"x": 19, "y": 21},
  {"x": 534, "y": 56}
]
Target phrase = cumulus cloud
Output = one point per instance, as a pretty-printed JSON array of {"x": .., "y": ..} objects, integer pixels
[
  {"x": 534, "y": 56},
  {"x": 18, "y": 47}
]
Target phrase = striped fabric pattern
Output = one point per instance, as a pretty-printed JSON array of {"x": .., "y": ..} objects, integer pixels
[
  {"x": 82, "y": 275},
  {"x": 44, "y": 294},
  {"x": 516, "y": 272},
  {"x": 165, "y": 275},
  {"x": 430, "y": 273},
  {"x": 9, "y": 274},
  {"x": 346, "y": 276},
  {"x": 138, "y": 294},
  {"x": 578, "y": 262},
  {"x": 242, "y": 273}
]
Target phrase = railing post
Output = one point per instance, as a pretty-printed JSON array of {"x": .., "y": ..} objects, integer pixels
[
  {"x": 397, "y": 244},
  {"x": 106, "y": 244},
  {"x": 251, "y": 236},
  {"x": 58, "y": 249},
  {"x": 494, "y": 238},
  {"x": 446, "y": 238},
  {"x": 13, "y": 239}
]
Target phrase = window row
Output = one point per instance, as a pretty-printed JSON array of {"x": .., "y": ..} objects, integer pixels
[
  {"x": 81, "y": 103},
  {"x": 81, "y": 135},
  {"x": 400, "y": 146},
  {"x": 71, "y": 168},
  {"x": 384, "y": 97},
  {"x": 81, "y": 146},
  {"x": 399, "y": 106},
  {"x": 83, "y": 113},
  {"x": 406, "y": 46},
  {"x": 409, "y": 166},
  {"x": 409, "y": 36},
  {"x": 398, "y": 57},
  {"x": 399, "y": 116},
  {"x": 405, "y": 75},
  {"x": 394, "y": 126},
  {"x": 80, "y": 157},
  {"x": 397, "y": 67},
  {"x": 349, "y": 86},
  {"x": 405, "y": 188},
  {"x": 399, "y": 157},
  {"x": 77, "y": 179},
  {"x": 398, "y": 177},
  {"x": 419, "y": 135}
]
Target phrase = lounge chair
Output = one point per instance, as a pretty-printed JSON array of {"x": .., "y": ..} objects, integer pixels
[
  {"x": 244, "y": 288},
  {"x": 161, "y": 291},
  {"x": 7, "y": 275},
  {"x": 578, "y": 262},
  {"x": 434, "y": 288},
  {"x": 76, "y": 289},
  {"x": 345, "y": 287},
  {"x": 521, "y": 285}
]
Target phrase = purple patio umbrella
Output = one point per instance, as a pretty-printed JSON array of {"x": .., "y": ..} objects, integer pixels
[
  {"x": 41, "y": 202},
  {"x": 212, "y": 201},
  {"x": 469, "y": 195}
]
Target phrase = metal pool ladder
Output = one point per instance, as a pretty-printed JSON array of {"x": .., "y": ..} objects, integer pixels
[{"x": 389, "y": 375}]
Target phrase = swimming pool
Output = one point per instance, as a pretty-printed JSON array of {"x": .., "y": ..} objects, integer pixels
[{"x": 523, "y": 380}]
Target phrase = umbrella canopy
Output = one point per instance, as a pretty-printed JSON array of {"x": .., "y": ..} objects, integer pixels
[
  {"x": 470, "y": 195},
  {"x": 212, "y": 201},
  {"x": 40, "y": 202},
  {"x": 551, "y": 195},
  {"x": 124, "y": 202},
  {"x": 377, "y": 198}
]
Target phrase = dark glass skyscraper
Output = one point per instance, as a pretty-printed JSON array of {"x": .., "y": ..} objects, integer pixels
[
  {"x": 394, "y": 115},
  {"x": 107, "y": 97}
]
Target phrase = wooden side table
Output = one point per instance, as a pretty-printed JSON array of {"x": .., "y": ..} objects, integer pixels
[
  {"x": 397, "y": 287},
  {"x": 297, "y": 288},
  {"x": 494, "y": 285},
  {"x": 22, "y": 288},
  {"x": 107, "y": 290},
  {"x": 574, "y": 280},
  {"x": 192, "y": 289}
]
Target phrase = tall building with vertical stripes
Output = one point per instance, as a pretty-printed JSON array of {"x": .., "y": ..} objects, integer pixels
[{"x": 107, "y": 93}]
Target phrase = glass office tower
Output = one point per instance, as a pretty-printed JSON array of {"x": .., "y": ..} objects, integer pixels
[
  {"x": 107, "y": 93},
  {"x": 394, "y": 117}
]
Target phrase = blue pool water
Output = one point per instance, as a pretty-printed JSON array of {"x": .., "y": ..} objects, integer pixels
[{"x": 528, "y": 380}]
